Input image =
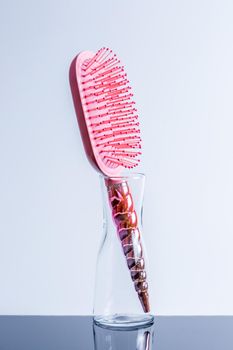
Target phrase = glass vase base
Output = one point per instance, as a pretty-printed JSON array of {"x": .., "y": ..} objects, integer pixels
[{"x": 124, "y": 321}]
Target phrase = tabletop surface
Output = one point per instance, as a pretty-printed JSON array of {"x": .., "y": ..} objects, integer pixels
[{"x": 79, "y": 332}]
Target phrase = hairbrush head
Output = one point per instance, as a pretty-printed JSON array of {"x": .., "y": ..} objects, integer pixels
[{"x": 106, "y": 113}]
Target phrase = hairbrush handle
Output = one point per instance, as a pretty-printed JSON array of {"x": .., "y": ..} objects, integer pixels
[{"x": 125, "y": 219}]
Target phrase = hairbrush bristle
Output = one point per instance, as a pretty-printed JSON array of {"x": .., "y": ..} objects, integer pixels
[{"x": 110, "y": 112}]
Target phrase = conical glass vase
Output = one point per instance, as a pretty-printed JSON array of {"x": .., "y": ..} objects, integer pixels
[{"x": 122, "y": 288}]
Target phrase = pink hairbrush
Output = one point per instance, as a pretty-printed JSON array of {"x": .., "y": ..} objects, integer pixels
[{"x": 109, "y": 127}]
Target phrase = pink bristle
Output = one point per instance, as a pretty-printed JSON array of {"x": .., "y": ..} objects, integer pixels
[
  {"x": 90, "y": 62},
  {"x": 112, "y": 120}
]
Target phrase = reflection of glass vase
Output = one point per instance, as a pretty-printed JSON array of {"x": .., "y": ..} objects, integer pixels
[
  {"x": 121, "y": 289},
  {"x": 140, "y": 338}
]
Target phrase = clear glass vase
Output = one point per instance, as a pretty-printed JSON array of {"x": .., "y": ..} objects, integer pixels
[{"x": 122, "y": 288}]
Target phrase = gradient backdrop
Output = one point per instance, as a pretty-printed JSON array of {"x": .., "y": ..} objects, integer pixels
[{"x": 179, "y": 59}]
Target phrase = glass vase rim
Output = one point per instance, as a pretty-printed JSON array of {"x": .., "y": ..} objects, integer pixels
[{"x": 134, "y": 175}]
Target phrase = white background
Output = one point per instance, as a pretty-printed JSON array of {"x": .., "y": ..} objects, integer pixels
[{"x": 179, "y": 58}]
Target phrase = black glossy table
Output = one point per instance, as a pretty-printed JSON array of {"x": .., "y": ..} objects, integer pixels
[{"x": 79, "y": 332}]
